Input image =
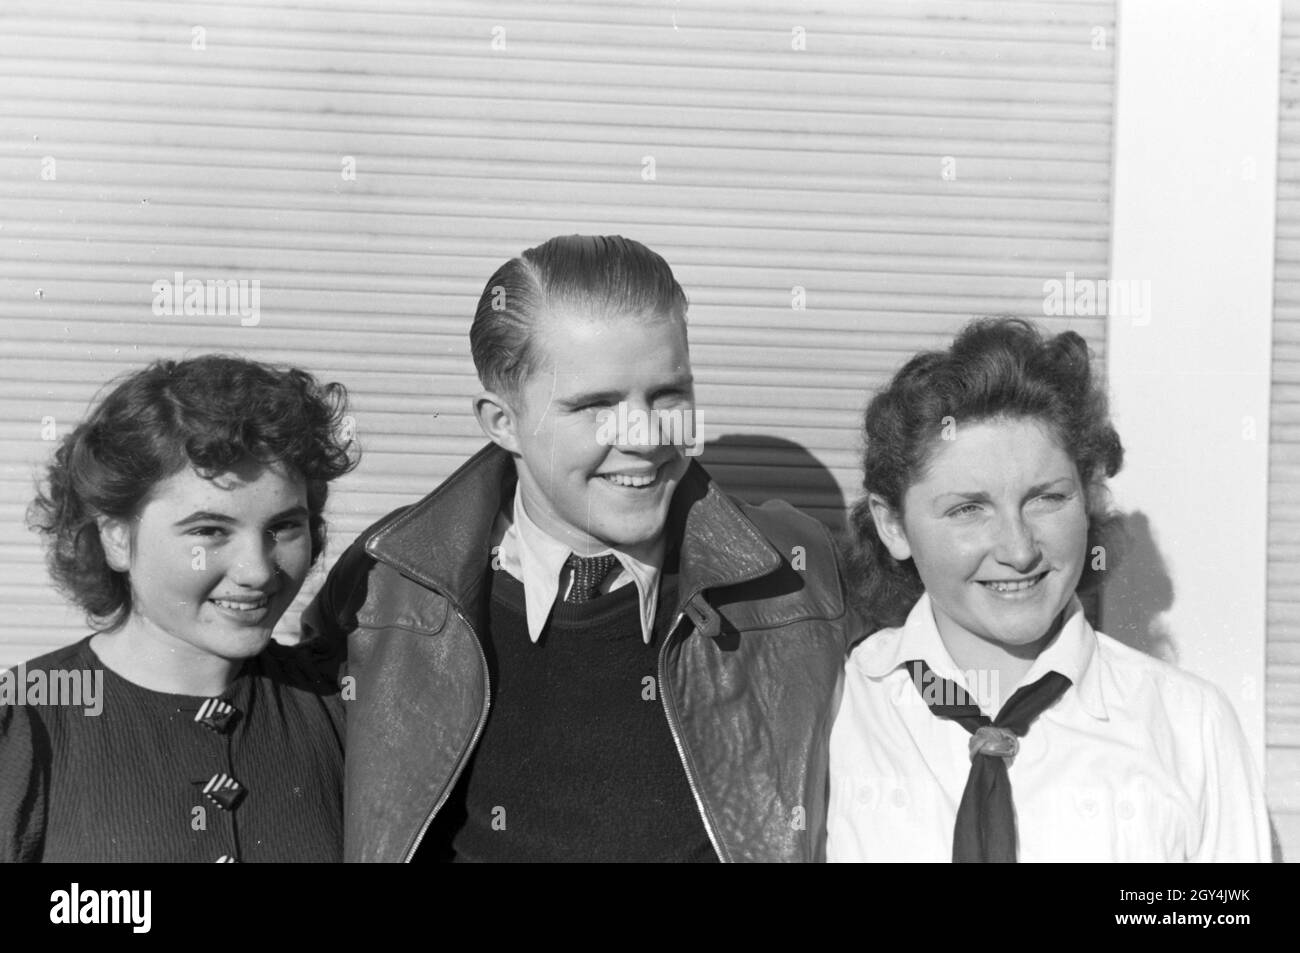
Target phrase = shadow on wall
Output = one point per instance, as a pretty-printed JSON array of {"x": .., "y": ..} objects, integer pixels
[
  {"x": 757, "y": 468},
  {"x": 1135, "y": 593},
  {"x": 1136, "y": 590}
]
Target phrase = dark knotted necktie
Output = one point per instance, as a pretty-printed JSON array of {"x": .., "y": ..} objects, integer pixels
[
  {"x": 588, "y": 573},
  {"x": 985, "y": 831}
]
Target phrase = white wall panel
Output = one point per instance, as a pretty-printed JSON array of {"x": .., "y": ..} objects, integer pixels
[{"x": 775, "y": 167}]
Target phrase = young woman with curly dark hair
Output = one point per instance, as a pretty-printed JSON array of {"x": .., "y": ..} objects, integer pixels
[
  {"x": 985, "y": 474},
  {"x": 183, "y": 515}
]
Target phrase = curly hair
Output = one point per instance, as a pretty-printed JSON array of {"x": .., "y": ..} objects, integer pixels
[
  {"x": 995, "y": 368},
  {"x": 211, "y": 412}
]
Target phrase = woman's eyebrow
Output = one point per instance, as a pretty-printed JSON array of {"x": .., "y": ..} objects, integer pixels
[
  {"x": 205, "y": 516},
  {"x": 293, "y": 512},
  {"x": 1047, "y": 485},
  {"x": 210, "y": 516},
  {"x": 977, "y": 496}
]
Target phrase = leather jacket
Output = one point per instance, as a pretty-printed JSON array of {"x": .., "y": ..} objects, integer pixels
[{"x": 749, "y": 673}]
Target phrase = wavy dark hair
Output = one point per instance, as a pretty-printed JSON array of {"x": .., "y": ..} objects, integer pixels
[
  {"x": 995, "y": 367},
  {"x": 211, "y": 412}
]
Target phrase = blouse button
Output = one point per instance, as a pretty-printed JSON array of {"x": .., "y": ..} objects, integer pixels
[{"x": 222, "y": 790}]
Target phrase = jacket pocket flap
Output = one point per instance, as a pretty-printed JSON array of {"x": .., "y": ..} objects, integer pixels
[{"x": 427, "y": 616}]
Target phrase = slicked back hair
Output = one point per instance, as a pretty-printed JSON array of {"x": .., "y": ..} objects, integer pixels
[{"x": 593, "y": 275}]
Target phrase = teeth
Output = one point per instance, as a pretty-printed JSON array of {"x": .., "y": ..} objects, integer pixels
[
  {"x": 623, "y": 480},
  {"x": 242, "y": 606},
  {"x": 1013, "y": 586}
]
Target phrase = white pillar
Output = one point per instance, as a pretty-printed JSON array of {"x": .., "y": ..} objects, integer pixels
[{"x": 1194, "y": 204}]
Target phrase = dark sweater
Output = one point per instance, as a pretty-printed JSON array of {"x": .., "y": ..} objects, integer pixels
[
  {"x": 120, "y": 785},
  {"x": 576, "y": 761}
]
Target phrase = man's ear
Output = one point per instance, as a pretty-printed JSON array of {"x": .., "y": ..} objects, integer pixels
[
  {"x": 115, "y": 538},
  {"x": 889, "y": 527},
  {"x": 497, "y": 419}
]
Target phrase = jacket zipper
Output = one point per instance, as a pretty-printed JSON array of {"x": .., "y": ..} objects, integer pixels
[
  {"x": 677, "y": 740},
  {"x": 473, "y": 742}
]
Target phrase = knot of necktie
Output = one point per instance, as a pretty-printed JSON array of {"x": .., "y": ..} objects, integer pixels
[
  {"x": 588, "y": 573},
  {"x": 994, "y": 742},
  {"x": 985, "y": 828}
]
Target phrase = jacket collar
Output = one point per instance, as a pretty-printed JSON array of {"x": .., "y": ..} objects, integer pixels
[
  {"x": 719, "y": 545},
  {"x": 442, "y": 542}
]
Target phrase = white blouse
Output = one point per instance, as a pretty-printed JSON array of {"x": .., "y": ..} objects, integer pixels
[{"x": 1138, "y": 761}]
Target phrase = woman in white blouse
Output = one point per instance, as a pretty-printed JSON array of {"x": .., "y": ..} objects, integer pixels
[{"x": 992, "y": 723}]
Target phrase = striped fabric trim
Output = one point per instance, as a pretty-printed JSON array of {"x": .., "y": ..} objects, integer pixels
[
  {"x": 215, "y": 715},
  {"x": 224, "y": 791}
]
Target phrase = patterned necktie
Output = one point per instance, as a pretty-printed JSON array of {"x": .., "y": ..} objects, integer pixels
[
  {"x": 985, "y": 831},
  {"x": 588, "y": 573}
]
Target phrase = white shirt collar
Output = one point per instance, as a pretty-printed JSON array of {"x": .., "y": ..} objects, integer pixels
[
  {"x": 1071, "y": 653},
  {"x": 537, "y": 559}
]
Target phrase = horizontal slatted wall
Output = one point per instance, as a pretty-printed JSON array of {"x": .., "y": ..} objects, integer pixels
[
  {"x": 906, "y": 164},
  {"x": 1282, "y": 698}
]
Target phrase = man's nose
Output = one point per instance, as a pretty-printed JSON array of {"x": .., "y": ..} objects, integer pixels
[{"x": 638, "y": 430}]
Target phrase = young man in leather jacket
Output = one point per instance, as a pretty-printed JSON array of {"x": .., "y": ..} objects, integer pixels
[{"x": 577, "y": 647}]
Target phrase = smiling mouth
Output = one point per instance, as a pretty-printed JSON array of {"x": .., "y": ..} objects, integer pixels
[
  {"x": 631, "y": 481},
  {"x": 1014, "y": 585},
  {"x": 242, "y": 606}
]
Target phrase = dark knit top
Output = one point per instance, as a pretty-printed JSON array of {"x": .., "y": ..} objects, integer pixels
[
  {"x": 577, "y": 761},
  {"x": 128, "y": 783}
]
